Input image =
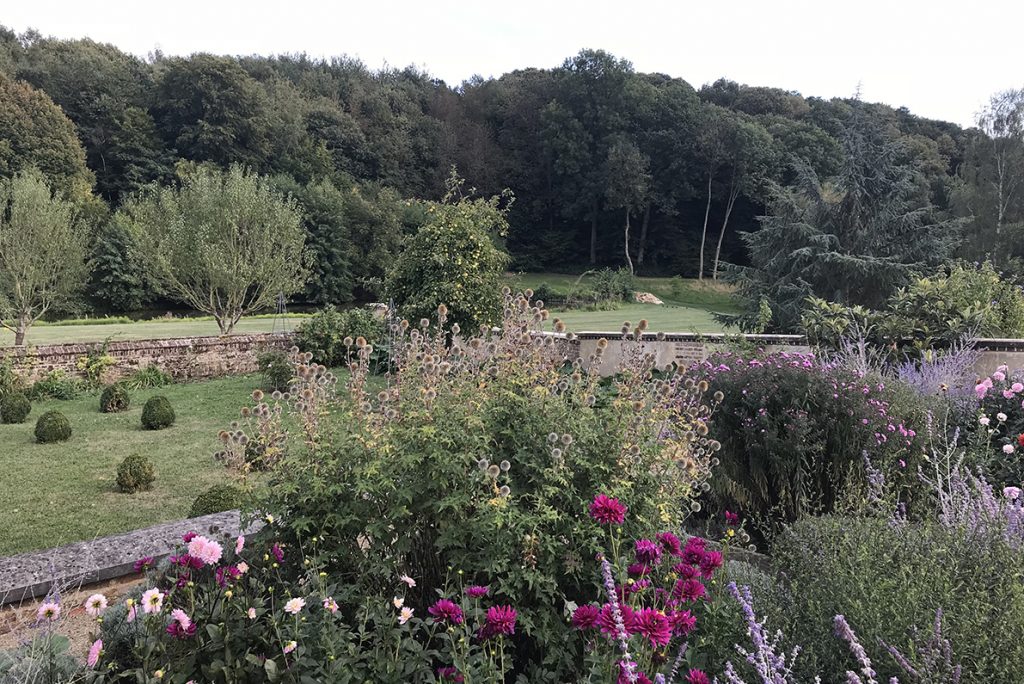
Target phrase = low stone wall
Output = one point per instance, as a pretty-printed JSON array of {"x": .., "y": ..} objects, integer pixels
[{"x": 185, "y": 358}]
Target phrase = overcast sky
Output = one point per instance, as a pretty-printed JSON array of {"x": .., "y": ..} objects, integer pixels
[{"x": 940, "y": 58}]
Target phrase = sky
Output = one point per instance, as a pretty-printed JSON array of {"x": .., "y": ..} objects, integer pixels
[{"x": 941, "y": 59}]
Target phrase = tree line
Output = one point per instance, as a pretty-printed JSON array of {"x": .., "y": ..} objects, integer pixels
[{"x": 609, "y": 166}]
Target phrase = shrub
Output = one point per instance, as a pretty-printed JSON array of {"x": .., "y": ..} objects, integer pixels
[
  {"x": 56, "y": 385},
  {"x": 324, "y": 336},
  {"x": 135, "y": 473},
  {"x": 95, "y": 363},
  {"x": 484, "y": 457},
  {"x": 157, "y": 413},
  {"x": 794, "y": 429},
  {"x": 115, "y": 398},
  {"x": 9, "y": 380},
  {"x": 14, "y": 408},
  {"x": 216, "y": 499},
  {"x": 52, "y": 426},
  {"x": 613, "y": 286},
  {"x": 453, "y": 260},
  {"x": 997, "y": 424},
  {"x": 276, "y": 368},
  {"x": 888, "y": 579},
  {"x": 147, "y": 378}
]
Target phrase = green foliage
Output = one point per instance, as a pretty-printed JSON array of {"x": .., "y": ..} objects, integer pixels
[
  {"x": 157, "y": 413},
  {"x": 119, "y": 281},
  {"x": 95, "y": 363},
  {"x": 37, "y": 135},
  {"x": 215, "y": 500},
  {"x": 14, "y": 407},
  {"x": 225, "y": 243},
  {"x": 794, "y": 429},
  {"x": 854, "y": 240},
  {"x": 45, "y": 659},
  {"x": 42, "y": 251},
  {"x": 276, "y": 368},
  {"x": 56, "y": 385},
  {"x": 147, "y": 377},
  {"x": 135, "y": 474},
  {"x": 10, "y": 381},
  {"x": 888, "y": 579},
  {"x": 115, "y": 398},
  {"x": 52, "y": 427},
  {"x": 325, "y": 335},
  {"x": 453, "y": 260},
  {"x": 486, "y": 462}
]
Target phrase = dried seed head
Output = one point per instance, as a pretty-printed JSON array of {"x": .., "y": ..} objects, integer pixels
[
  {"x": 442, "y": 310},
  {"x": 552, "y": 438},
  {"x": 482, "y": 464},
  {"x": 504, "y": 465},
  {"x": 493, "y": 471},
  {"x": 257, "y": 395},
  {"x": 504, "y": 490},
  {"x": 424, "y": 322}
]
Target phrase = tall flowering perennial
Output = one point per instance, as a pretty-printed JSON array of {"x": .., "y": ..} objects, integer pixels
[
  {"x": 772, "y": 665},
  {"x": 999, "y": 431},
  {"x": 934, "y": 658}
]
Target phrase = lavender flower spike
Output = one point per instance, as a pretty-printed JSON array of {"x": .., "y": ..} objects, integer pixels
[
  {"x": 844, "y": 632},
  {"x": 627, "y": 664}
]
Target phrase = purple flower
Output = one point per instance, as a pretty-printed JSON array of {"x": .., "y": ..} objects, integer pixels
[
  {"x": 653, "y": 625},
  {"x": 188, "y": 536},
  {"x": 476, "y": 591},
  {"x": 683, "y": 622},
  {"x": 277, "y": 552},
  {"x": 585, "y": 616},
  {"x": 669, "y": 543},
  {"x": 697, "y": 677},
  {"x": 449, "y": 674},
  {"x": 143, "y": 564},
  {"x": 446, "y": 611},
  {"x": 647, "y": 552},
  {"x": 711, "y": 561},
  {"x": 693, "y": 552},
  {"x": 688, "y": 590},
  {"x": 731, "y": 519},
  {"x": 607, "y": 511},
  {"x": 500, "y": 620},
  {"x": 178, "y": 631},
  {"x": 638, "y": 569}
]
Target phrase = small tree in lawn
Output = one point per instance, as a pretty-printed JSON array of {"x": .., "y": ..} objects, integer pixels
[
  {"x": 42, "y": 252},
  {"x": 225, "y": 242},
  {"x": 453, "y": 260}
]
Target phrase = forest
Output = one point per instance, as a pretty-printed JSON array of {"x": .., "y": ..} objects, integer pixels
[{"x": 609, "y": 167}]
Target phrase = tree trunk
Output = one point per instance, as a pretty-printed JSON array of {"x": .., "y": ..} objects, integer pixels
[
  {"x": 704, "y": 232},
  {"x": 593, "y": 235},
  {"x": 628, "y": 260},
  {"x": 721, "y": 236},
  {"x": 643, "y": 236},
  {"x": 19, "y": 334}
]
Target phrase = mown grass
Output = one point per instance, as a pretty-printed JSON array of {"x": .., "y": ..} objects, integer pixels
[
  {"x": 689, "y": 305},
  {"x": 55, "y": 494},
  {"x": 80, "y": 330}
]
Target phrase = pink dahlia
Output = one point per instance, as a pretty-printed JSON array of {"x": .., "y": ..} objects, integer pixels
[
  {"x": 647, "y": 552},
  {"x": 654, "y": 626},
  {"x": 697, "y": 677},
  {"x": 476, "y": 591},
  {"x": 669, "y": 543},
  {"x": 711, "y": 561},
  {"x": 607, "y": 511},
  {"x": 206, "y": 550},
  {"x": 685, "y": 570},
  {"x": 585, "y": 617},
  {"x": 688, "y": 590},
  {"x": 446, "y": 611},
  {"x": 683, "y": 622},
  {"x": 449, "y": 674},
  {"x": 94, "y": 653},
  {"x": 500, "y": 620},
  {"x": 606, "y": 621},
  {"x": 277, "y": 552}
]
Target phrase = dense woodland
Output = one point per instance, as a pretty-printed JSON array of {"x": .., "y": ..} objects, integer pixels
[{"x": 608, "y": 166}]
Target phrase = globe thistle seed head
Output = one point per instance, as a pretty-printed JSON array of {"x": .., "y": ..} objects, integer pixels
[
  {"x": 504, "y": 465},
  {"x": 504, "y": 490},
  {"x": 493, "y": 471}
]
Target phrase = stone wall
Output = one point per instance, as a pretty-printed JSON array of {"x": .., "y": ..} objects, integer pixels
[{"x": 185, "y": 358}]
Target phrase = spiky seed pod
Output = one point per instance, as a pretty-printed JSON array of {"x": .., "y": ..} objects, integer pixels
[
  {"x": 556, "y": 453},
  {"x": 642, "y": 325},
  {"x": 442, "y": 310},
  {"x": 552, "y": 438},
  {"x": 424, "y": 322},
  {"x": 505, "y": 466},
  {"x": 719, "y": 397},
  {"x": 506, "y": 291},
  {"x": 493, "y": 471},
  {"x": 660, "y": 336},
  {"x": 246, "y": 411},
  {"x": 360, "y": 342},
  {"x": 602, "y": 343},
  {"x": 528, "y": 293},
  {"x": 234, "y": 425},
  {"x": 504, "y": 490},
  {"x": 566, "y": 439},
  {"x": 482, "y": 464},
  {"x": 257, "y": 395},
  {"x": 294, "y": 350},
  {"x": 559, "y": 326}
]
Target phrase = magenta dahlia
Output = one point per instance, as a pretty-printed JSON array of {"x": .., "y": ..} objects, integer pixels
[{"x": 607, "y": 511}]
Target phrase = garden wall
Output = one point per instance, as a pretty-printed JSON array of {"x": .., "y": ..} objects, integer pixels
[{"x": 185, "y": 358}]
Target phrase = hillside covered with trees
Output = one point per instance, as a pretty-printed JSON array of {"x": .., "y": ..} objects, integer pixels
[{"x": 608, "y": 166}]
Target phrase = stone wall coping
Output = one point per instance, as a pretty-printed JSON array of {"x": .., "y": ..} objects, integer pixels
[
  {"x": 33, "y": 574},
  {"x": 137, "y": 345},
  {"x": 798, "y": 340}
]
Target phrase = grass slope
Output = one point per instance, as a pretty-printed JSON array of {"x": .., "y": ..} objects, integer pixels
[
  {"x": 59, "y": 493},
  {"x": 141, "y": 330},
  {"x": 689, "y": 304}
]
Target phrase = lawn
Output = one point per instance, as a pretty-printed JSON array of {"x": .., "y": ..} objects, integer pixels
[
  {"x": 144, "y": 330},
  {"x": 688, "y": 306},
  {"x": 59, "y": 493}
]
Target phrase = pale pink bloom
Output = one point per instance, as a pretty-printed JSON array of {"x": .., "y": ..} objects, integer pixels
[
  {"x": 405, "y": 615},
  {"x": 999, "y": 376},
  {"x": 132, "y": 610},
  {"x": 289, "y": 647},
  {"x": 398, "y": 601},
  {"x": 181, "y": 617},
  {"x": 205, "y": 550},
  {"x": 251, "y": 613},
  {"x": 1001, "y": 417},
  {"x": 981, "y": 390},
  {"x": 1017, "y": 387},
  {"x": 294, "y": 606},
  {"x": 49, "y": 610},
  {"x": 1012, "y": 493},
  {"x": 95, "y": 605},
  {"x": 984, "y": 420},
  {"x": 242, "y": 568},
  {"x": 239, "y": 544},
  {"x": 1009, "y": 394},
  {"x": 330, "y": 605},
  {"x": 152, "y": 601},
  {"x": 409, "y": 581},
  {"x": 1008, "y": 449},
  {"x": 94, "y": 653}
]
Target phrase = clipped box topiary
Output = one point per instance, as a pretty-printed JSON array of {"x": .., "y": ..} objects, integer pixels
[
  {"x": 115, "y": 398},
  {"x": 157, "y": 413},
  {"x": 14, "y": 408},
  {"x": 52, "y": 427},
  {"x": 135, "y": 474},
  {"x": 216, "y": 499}
]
